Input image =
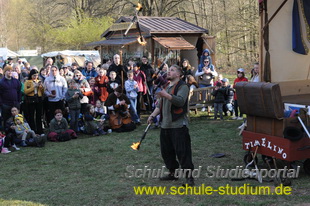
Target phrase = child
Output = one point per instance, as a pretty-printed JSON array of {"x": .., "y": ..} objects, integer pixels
[
  {"x": 73, "y": 97},
  {"x": 240, "y": 78},
  {"x": 91, "y": 126},
  {"x": 102, "y": 83},
  {"x": 205, "y": 55},
  {"x": 100, "y": 111},
  {"x": 131, "y": 87},
  {"x": 23, "y": 129},
  {"x": 229, "y": 93},
  {"x": 219, "y": 100},
  {"x": 95, "y": 89},
  {"x": 218, "y": 79},
  {"x": 113, "y": 83},
  {"x": 59, "y": 128}
]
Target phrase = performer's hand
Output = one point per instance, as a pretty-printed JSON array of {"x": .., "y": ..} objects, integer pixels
[
  {"x": 150, "y": 120},
  {"x": 163, "y": 93}
]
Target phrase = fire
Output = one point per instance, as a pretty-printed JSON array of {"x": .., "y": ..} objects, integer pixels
[
  {"x": 136, "y": 145},
  {"x": 139, "y": 7},
  {"x": 141, "y": 40}
]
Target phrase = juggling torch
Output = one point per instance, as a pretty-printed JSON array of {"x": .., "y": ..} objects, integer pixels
[{"x": 136, "y": 146}]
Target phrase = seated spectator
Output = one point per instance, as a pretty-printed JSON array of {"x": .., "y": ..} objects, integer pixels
[
  {"x": 59, "y": 130},
  {"x": 73, "y": 97},
  {"x": 117, "y": 103},
  {"x": 11, "y": 138},
  {"x": 23, "y": 130},
  {"x": 92, "y": 125}
]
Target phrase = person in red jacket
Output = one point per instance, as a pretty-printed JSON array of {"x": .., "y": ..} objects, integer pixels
[
  {"x": 102, "y": 82},
  {"x": 240, "y": 78}
]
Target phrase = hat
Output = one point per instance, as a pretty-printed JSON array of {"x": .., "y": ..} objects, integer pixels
[
  {"x": 10, "y": 58},
  {"x": 7, "y": 68},
  {"x": 19, "y": 117},
  {"x": 241, "y": 70},
  {"x": 225, "y": 80},
  {"x": 32, "y": 72}
]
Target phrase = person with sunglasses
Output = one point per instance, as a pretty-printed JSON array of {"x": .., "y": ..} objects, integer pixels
[{"x": 205, "y": 73}]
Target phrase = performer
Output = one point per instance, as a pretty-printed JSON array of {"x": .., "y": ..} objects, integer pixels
[{"x": 174, "y": 135}]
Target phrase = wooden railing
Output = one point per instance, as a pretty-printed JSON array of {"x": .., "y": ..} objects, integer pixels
[{"x": 201, "y": 97}]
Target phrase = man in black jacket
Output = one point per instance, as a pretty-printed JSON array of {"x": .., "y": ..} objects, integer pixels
[
  {"x": 121, "y": 71},
  {"x": 148, "y": 71}
]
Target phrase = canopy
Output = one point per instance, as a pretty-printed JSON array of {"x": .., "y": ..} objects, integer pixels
[
  {"x": 5, "y": 53},
  {"x": 71, "y": 53}
]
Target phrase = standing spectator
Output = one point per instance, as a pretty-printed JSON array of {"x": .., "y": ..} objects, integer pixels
[
  {"x": 121, "y": 71},
  {"x": 255, "y": 73},
  {"x": 17, "y": 69},
  {"x": 240, "y": 78},
  {"x": 26, "y": 69},
  {"x": 34, "y": 91},
  {"x": 205, "y": 55},
  {"x": 20, "y": 63},
  {"x": 148, "y": 71},
  {"x": 95, "y": 90},
  {"x": 67, "y": 73},
  {"x": 74, "y": 66},
  {"x": 113, "y": 83},
  {"x": 1, "y": 73},
  {"x": 8, "y": 62},
  {"x": 187, "y": 69},
  {"x": 89, "y": 71},
  {"x": 205, "y": 74},
  {"x": 73, "y": 97},
  {"x": 55, "y": 89},
  {"x": 49, "y": 61},
  {"x": 139, "y": 77},
  {"x": 228, "y": 106},
  {"x": 131, "y": 87},
  {"x": 102, "y": 83},
  {"x": 84, "y": 87},
  {"x": 219, "y": 94},
  {"x": 10, "y": 93}
]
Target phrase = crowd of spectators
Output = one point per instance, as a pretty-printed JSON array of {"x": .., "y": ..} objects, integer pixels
[{"x": 64, "y": 102}]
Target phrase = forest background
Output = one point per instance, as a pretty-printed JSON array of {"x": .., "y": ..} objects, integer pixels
[{"x": 70, "y": 24}]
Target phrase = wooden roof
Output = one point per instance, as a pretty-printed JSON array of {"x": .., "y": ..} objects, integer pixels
[
  {"x": 162, "y": 25},
  {"x": 174, "y": 43}
]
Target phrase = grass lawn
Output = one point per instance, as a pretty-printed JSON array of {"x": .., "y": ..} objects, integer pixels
[{"x": 91, "y": 170}]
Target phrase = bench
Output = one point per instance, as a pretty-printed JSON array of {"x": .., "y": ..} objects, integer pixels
[{"x": 201, "y": 97}]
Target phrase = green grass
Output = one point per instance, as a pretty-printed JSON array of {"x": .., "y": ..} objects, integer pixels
[{"x": 91, "y": 170}]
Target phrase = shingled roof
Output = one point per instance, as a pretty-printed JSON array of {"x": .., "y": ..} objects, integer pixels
[{"x": 163, "y": 25}]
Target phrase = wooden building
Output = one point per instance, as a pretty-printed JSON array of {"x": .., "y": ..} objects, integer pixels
[{"x": 162, "y": 35}]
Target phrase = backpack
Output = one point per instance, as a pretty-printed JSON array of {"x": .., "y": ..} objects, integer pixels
[
  {"x": 63, "y": 137},
  {"x": 37, "y": 141}
]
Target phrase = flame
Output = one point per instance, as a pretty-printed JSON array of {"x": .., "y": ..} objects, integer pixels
[
  {"x": 139, "y": 7},
  {"x": 141, "y": 40},
  {"x": 136, "y": 145}
]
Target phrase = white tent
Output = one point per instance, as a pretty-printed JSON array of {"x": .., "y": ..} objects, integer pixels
[
  {"x": 79, "y": 56},
  {"x": 5, "y": 53}
]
